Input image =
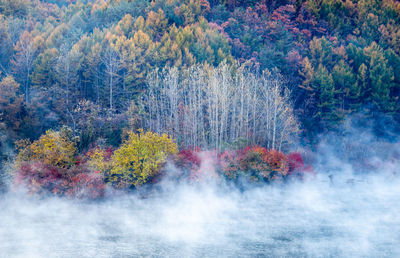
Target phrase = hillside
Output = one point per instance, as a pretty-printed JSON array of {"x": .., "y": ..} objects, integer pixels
[{"x": 85, "y": 64}]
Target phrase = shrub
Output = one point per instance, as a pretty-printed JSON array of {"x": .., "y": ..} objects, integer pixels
[
  {"x": 98, "y": 159},
  {"x": 40, "y": 178},
  {"x": 188, "y": 163},
  {"x": 49, "y": 165},
  {"x": 189, "y": 158},
  {"x": 140, "y": 158},
  {"x": 297, "y": 168},
  {"x": 196, "y": 165},
  {"x": 296, "y": 162},
  {"x": 277, "y": 161},
  {"x": 255, "y": 163},
  {"x": 87, "y": 185},
  {"x": 55, "y": 148}
]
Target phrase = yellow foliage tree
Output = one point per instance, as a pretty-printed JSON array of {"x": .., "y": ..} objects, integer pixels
[
  {"x": 98, "y": 160},
  {"x": 54, "y": 148},
  {"x": 139, "y": 158}
]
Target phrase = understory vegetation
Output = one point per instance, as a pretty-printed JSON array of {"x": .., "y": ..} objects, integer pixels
[
  {"x": 245, "y": 81},
  {"x": 52, "y": 165}
]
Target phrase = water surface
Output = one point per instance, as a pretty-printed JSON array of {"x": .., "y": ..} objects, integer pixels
[{"x": 356, "y": 218}]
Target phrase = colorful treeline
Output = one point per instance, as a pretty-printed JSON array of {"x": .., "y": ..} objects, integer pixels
[{"x": 53, "y": 165}]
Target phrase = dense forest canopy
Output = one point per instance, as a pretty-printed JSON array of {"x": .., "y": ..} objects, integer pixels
[{"x": 90, "y": 65}]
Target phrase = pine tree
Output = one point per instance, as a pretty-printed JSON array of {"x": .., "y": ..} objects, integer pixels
[{"x": 324, "y": 88}]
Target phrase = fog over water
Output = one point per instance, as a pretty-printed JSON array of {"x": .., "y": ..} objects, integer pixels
[
  {"x": 342, "y": 211},
  {"x": 314, "y": 218}
]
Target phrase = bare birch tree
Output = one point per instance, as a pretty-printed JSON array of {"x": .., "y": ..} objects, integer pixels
[
  {"x": 208, "y": 107},
  {"x": 25, "y": 52},
  {"x": 111, "y": 61}
]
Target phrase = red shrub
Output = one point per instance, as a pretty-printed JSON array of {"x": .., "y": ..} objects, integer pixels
[
  {"x": 38, "y": 177},
  {"x": 76, "y": 181},
  {"x": 261, "y": 150},
  {"x": 278, "y": 161},
  {"x": 197, "y": 165},
  {"x": 296, "y": 162},
  {"x": 189, "y": 157},
  {"x": 206, "y": 168},
  {"x": 297, "y": 166},
  {"x": 87, "y": 185},
  {"x": 260, "y": 163}
]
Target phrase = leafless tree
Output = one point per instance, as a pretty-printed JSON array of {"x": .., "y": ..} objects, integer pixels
[
  {"x": 112, "y": 64},
  {"x": 208, "y": 107},
  {"x": 25, "y": 52}
]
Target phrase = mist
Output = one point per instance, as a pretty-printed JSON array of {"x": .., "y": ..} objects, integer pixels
[
  {"x": 132, "y": 128},
  {"x": 333, "y": 213}
]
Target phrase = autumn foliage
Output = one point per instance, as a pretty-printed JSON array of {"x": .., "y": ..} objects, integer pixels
[
  {"x": 189, "y": 158},
  {"x": 77, "y": 182},
  {"x": 52, "y": 164},
  {"x": 99, "y": 159},
  {"x": 53, "y": 149},
  {"x": 256, "y": 164},
  {"x": 140, "y": 158}
]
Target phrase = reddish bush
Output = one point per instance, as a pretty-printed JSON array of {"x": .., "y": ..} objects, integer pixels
[
  {"x": 87, "y": 185},
  {"x": 206, "y": 168},
  {"x": 197, "y": 165},
  {"x": 189, "y": 157},
  {"x": 277, "y": 161},
  {"x": 260, "y": 164},
  {"x": 188, "y": 161},
  {"x": 39, "y": 178},
  {"x": 296, "y": 162},
  {"x": 297, "y": 168}
]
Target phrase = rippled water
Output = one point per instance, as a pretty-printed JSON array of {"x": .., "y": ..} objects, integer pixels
[{"x": 348, "y": 219}]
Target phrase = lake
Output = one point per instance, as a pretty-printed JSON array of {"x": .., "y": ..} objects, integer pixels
[{"x": 318, "y": 218}]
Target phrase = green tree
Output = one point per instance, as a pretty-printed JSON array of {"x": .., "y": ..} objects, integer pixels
[
  {"x": 324, "y": 88},
  {"x": 381, "y": 79},
  {"x": 43, "y": 76},
  {"x": 346, "y": 81}
]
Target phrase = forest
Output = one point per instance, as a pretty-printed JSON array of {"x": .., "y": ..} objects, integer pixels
[
  {"x": 108, "y": 90},
  {"x": 199, "y": 128}
]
